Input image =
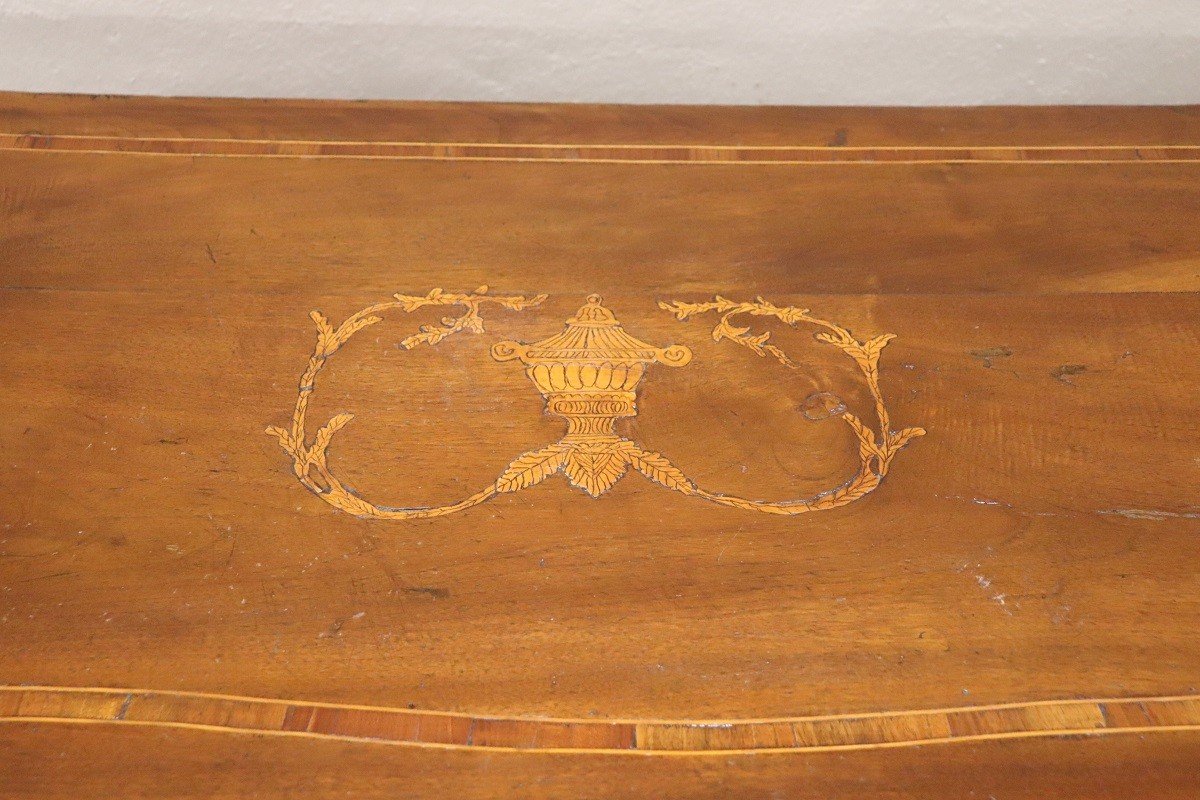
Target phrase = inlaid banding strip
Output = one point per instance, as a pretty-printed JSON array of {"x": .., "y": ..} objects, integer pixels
[
  {"x": 602, "y": 153},
  {"x": 649, "y": 737}
]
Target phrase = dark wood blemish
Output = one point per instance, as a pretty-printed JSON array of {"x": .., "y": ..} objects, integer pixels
[
  {"x": 1063, "y": 373},
  {"x": 436, "y": 592},
  {"x": 989, "y": 354}
]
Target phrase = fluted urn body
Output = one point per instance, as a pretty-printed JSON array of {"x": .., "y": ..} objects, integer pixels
[{"x": 589, "y": 373}]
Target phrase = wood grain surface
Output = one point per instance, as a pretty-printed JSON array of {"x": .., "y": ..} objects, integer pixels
[{"x": 1011, "y": 612}]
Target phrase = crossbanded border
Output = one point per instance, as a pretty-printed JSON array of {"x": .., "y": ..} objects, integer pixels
[{"x": 403, "y": 726}]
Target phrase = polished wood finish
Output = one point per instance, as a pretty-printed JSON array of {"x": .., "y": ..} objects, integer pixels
[{"x": 1010, "y": 612}]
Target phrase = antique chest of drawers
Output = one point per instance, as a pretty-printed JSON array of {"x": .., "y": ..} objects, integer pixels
[{"x": 417, "y": 450}]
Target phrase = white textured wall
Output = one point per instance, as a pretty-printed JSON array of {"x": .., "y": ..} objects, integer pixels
[{"x": 907, "y": 52}]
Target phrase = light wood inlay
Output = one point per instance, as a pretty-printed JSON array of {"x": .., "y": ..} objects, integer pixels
[
  {"x": 604, "y": 153},
  {"x": 589, "y": 375}
]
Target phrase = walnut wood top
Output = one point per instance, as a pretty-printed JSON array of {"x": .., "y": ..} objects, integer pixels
[{"x": 616, "y": 543}]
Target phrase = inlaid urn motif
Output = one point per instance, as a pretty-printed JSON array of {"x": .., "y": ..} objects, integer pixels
[{"x": 589, "y": 373}]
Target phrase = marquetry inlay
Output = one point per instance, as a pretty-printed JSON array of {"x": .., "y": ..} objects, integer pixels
[{"x": 589, "y": 374}]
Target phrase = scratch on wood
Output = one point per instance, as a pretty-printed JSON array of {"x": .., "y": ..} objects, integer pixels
[
  {"x": 335, "y": 628},
  {"x": 1149, "y": 513}
]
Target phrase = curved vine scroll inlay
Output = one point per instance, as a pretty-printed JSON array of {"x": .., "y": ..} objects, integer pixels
[
  {"x": 309, "y": 461},
  {"x": 589, "y": 375},
  {"x": 875, "y": 450}
]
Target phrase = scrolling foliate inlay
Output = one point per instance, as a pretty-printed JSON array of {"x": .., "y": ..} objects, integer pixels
[{"x": 589, "y": 375}]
